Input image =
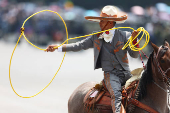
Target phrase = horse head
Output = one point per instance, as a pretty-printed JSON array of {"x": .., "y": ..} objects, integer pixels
[{"x": 161, "y": 62}]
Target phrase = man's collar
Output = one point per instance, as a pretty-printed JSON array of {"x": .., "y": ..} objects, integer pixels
[
  {"x": 108, "y": 36},
  {"x": 113, "y": 31}
]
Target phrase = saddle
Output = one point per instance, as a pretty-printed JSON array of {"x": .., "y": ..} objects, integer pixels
[{"x": 98, "y": 98}]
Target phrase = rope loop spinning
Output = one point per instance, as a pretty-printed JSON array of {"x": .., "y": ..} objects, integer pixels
[
  {"x": 129, "y": 43},
  {"x": 22, "y": 34}
]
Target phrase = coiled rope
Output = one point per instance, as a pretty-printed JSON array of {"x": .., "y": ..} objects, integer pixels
[{"x": 129, "y": 43}]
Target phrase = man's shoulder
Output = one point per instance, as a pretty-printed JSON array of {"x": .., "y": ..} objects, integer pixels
[
  {"x": 95, "y": 35},
  {"x": 96, "y": 31},
  {"x": 123, "y": 33},
  {"x": 92, "y": 36}
]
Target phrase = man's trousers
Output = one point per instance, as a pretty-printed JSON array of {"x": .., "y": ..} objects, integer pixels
[{"x": 114, "y": 80}]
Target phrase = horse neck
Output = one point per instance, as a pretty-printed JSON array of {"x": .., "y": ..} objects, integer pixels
[
  {"x": 156, "y": 98},
  {"x": 157, "y": 91}
]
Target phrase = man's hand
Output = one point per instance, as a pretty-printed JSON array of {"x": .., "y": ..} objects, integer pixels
[
  {"x": 51, "y": 48},
  {"x": 134, "y": 33}
]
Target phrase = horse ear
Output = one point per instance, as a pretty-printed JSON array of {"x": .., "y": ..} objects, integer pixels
[
  {"x": 166, "y": 43},
  {"x": 155, "y": 47}
]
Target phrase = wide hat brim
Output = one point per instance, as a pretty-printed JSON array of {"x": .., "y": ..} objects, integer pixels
[{"x": 118, "y": 20}]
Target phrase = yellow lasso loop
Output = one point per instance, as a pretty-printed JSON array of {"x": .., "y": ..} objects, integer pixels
[
  {"x": 22, "y": 33},
  {"x": 129, "y": 43}
]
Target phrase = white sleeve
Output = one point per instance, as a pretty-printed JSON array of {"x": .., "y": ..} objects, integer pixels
[{"x": 60, "y": 49}]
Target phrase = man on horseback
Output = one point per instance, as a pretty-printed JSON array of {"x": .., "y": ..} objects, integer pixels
[{"x": 108, "y": 53}]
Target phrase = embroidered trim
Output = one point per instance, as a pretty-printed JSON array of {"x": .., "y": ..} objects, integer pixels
[
  {"x": 106, "y": 15},
  {"x": 109, "y": 87},
  {"x": 97, "y": 41},
  {"x": 119, "y": 46},
  {"x": 125, "y": 59},
  {"x": 97, "y": 46}
]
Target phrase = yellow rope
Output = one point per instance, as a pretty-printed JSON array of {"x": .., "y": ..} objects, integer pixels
[
  {"x": 129, "y": 43},
  {"x": 22, "y": 34}
]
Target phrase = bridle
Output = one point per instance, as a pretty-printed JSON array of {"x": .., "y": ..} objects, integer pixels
[
  {"x": 163, "y": 73},
  {"x": 160, "y": 70}
]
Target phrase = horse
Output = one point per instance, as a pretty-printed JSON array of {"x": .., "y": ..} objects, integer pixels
[{"x": 153, "y": 85}]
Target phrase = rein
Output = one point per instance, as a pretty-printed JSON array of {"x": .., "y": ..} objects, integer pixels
[{"x": 160, "y": 87}]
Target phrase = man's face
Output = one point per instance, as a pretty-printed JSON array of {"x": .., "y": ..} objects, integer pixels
[{"x": 104, "y": 24}]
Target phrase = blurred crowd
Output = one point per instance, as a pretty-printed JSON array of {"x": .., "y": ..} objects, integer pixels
[{"x": 46, "y": 27}]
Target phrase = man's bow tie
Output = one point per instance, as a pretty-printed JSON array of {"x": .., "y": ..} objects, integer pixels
[
  {"x": 106, "y": 35},
  {"x": 107, "y": 32}
]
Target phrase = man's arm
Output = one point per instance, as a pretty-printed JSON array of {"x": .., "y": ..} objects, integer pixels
[{"x": 81, "y": 45}]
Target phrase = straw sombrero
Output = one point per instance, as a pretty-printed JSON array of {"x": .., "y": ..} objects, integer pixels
[{"x": 108, "y": 13}]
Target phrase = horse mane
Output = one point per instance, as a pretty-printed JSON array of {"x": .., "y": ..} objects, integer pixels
[{"x": 146, "y": 78}]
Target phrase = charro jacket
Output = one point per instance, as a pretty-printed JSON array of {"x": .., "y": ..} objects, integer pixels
[{"x": 119, "y": 40}]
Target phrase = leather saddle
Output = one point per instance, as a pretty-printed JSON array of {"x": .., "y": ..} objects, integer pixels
[{"x": 98, "y": 98}]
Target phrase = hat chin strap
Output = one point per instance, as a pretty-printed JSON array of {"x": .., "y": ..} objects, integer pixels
[{"x": 105, "y": 26}]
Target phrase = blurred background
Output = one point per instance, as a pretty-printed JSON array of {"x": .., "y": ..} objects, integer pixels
[{"x": 32, "y": 69}]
